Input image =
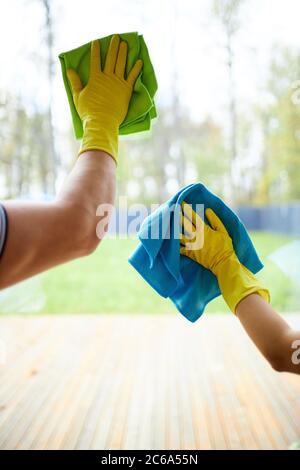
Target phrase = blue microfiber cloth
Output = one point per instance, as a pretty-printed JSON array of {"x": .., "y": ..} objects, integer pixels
[{"x": 189, "y": 285}]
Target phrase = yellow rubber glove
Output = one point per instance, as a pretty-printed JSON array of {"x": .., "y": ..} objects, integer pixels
[
  {"x": 211, "y": 246},
  {"x": 103, "y": 103}
]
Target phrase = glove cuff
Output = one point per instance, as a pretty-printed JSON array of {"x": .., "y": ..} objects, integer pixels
[
  {"x": 236, "y": 282},
  {"x": 97, "y": 137}
]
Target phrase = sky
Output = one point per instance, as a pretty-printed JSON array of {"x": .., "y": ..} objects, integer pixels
[{"x": 182, "y": 38}]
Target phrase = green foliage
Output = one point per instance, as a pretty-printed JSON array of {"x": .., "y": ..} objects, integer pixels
[
  {"x": 24, "y": 149},
  {"x": 228, "y": 13},
  {"x": 209, "y": 155},
  {"x": 280, "y": 172},
  {"x": 179, "y": 150},
  {"x": 159, "y": 164}
]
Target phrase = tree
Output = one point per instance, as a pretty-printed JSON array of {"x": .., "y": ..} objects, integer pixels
[
  {"x": 49, "y": 39},
  {"x": 14, "y": 154},
  {"x": 280, "y": 120},
  {"x": 150, "y": 165},
  {"x": 24, "y": 147},
  {"x": 207, "y": 153},
  {"x": 227, "y": 12}
]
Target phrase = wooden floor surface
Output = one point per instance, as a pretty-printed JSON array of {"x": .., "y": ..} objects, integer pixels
[{"x": 141, "y": 382}]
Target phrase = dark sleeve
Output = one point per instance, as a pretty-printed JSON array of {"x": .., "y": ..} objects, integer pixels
[{"x": 3, "y": 228}]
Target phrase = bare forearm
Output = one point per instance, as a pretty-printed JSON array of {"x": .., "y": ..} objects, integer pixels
[
  {"x": 43, "y": 235},
  {"x": 269, "y": 331},
  {"x": 91, "y": 182}
]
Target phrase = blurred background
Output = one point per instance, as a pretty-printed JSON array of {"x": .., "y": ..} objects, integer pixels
[{"x": 228, "y": 74}]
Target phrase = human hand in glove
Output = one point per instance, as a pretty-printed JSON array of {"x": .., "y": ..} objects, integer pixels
[
  {"x": 212, "y": 247},
  {"x": 103, "y": 103}
]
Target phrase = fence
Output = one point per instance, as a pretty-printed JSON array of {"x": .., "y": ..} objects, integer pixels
[
  {"x": 283, "y": 219},
  {"x": 280, "y": 218}
]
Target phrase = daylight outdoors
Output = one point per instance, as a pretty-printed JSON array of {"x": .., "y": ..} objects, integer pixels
[
  {"x": 229, "y": 106},
  {"x": 228, "y": 102}
]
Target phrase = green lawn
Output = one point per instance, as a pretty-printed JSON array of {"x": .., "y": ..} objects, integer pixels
[{"x": 105, "y": 282}]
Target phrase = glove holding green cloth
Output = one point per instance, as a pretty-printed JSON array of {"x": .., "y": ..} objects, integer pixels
[
  {"x": 103, "y": 103},
  {"x": 141, "y": 107}
]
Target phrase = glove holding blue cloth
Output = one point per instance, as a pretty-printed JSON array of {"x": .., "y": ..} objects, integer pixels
[
  {"x": 188, "y": 284},
  {"x": 211, "y": 246}
]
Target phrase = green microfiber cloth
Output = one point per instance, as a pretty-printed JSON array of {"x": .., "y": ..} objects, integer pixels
[{"x": 142, "y": 107}]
